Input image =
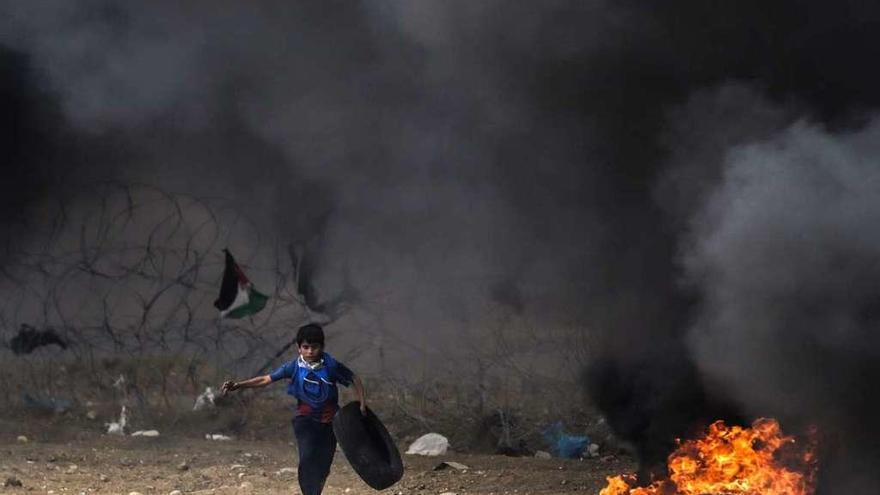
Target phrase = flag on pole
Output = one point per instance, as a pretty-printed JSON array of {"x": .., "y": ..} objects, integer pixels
[{"x": 238, "y": 297}]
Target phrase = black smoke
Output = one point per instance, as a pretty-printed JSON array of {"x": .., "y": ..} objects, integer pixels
[{"x": 31, "y": 137}]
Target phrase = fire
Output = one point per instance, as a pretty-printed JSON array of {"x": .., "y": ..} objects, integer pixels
[{"x": 731, "y": 460}]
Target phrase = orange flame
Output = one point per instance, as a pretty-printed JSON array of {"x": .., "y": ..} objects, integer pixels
[{"x": 733, "y": 461}]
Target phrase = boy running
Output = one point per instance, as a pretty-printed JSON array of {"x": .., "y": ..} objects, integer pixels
[{"x": 313, "y": 377}]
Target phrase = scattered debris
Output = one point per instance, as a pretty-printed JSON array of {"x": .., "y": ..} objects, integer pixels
[
  {"x": 29, "y": 338},
  {"x": 183, "y": 466},
  {"x": 146, "y": 433},
  {"x": 499, "y": 432},
  {"x": 246, "y": 485},
  {"x": 119, "y": 383},
  {"x": 176, "y": 492},
  {"x": 104, "y": 478},
  {"x": 134, "y": 493},
  {"x": 448, "y": 493},
  {"x": 21, "y": 439},
  {"x": 205, "y": 400},
  {"x": 429, "y": 444},
  {"x": 72, "y": 469},
  {"x": 217, "y": 436},
  {"x": 92, "y": 415},
  {"x": 543, "y": 455},
  {"x": 118, "y": 427},
  {"x": 286, "y": 470},
  {"x": 564, "y": 445},
  {"x": 12, "y": 482},
  {"x": 48, "y": 404},
  {"x": 450, "y": 464},
  {"x": 237, "y": 466},
  {"x": 593, "y": 450}
]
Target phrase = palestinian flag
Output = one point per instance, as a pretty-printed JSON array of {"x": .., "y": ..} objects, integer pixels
[{"x": 238, "y": 298}]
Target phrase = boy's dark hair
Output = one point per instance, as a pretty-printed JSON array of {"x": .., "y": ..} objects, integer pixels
[{"x": 311, "y": 333}]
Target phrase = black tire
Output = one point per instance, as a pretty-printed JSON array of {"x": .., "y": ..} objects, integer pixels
[{"x": 368, "y": 447}]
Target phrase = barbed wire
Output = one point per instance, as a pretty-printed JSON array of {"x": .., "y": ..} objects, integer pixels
[
  {"x": 135, "y": 272},
  {"x": 131, "y": 271}
]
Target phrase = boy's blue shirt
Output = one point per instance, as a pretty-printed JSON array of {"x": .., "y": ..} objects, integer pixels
[{"x": 315, "y": 388}]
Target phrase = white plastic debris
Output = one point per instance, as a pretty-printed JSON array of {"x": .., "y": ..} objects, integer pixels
[
  {"x": 543, "y": 455},
  {"x": 119, "y": 383},
  {"x": 21, "y": 439},
  {"x": 146, "y": 433},
  {"x": 205, "y": 400},
  {"x": 451, "y": 464},
  {"x": 217, "y": 436},
  {"x": 593, "y": 450},
  {"x": 286, "y": 470},
  {"x": 118, "y": 427},
  {"x": 429, "y": 444}
]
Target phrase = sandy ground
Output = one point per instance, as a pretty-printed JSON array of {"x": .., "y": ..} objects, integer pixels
[{"x": 90, "y": 462}]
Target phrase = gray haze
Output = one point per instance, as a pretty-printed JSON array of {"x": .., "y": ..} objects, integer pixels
[{"x": 376, "y": 133}]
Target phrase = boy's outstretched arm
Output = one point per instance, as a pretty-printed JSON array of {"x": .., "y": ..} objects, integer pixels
[
  {"x": 255, "y": 382},
  {"x": 361, "y": 392}
]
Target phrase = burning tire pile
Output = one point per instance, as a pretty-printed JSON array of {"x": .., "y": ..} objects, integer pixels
[{"x": 732, "y": 460}]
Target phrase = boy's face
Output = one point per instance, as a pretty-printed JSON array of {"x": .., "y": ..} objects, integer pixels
[{"x": 310, "y": 352}]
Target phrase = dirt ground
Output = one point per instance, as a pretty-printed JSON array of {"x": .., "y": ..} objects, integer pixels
[{"x": 57, "y": 460}]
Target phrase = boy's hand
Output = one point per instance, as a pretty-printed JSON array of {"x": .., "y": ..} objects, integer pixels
[{"x": 228, "y": 386}]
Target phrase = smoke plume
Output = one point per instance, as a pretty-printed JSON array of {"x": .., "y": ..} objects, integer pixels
[{"x": 788, "y": 263}]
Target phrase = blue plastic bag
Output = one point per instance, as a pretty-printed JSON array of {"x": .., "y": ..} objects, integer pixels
[{"x": 564, "y": 445}]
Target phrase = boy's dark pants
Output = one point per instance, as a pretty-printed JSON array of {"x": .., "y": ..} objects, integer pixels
[{"x": 316, "y": 444}]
